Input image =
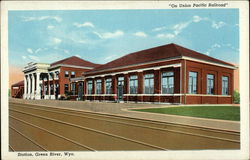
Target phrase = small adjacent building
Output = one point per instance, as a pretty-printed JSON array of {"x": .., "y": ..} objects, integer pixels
[
  {"x": 17, "y": 90},
  {"x": 52, "y": 81},
  {"x": 33, "y": 75},
  {"x": 60, "y": 74}
]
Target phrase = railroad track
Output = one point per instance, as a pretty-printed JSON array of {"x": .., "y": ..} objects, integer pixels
[
  {"x": 142, "y": 123},
  {"x": 147, "y": 134},
  {"x": 81, "y": 135}
]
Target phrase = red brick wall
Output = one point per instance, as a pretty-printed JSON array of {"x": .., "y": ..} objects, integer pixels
[
  {"x": 203, "y": 70},
  {"x": 17, "y": 92},
  {"x": 180, "y": 84},
  {"x": 66, "y": 80}
]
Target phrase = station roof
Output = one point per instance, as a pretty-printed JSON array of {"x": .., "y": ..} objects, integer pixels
[
  {"x": 76, "y": 61},
  {"x": 157, "y": 53},
  {"x": 18, "y": 84}
]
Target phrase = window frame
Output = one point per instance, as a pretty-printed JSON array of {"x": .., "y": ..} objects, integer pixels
[
  {"x": 89, "y": 85},
  {"x": 193, "y": 91},
  {"x": 168, "y": 78},
  {"x": 108, "y": 90},
  {"x": 223, "y": 87},
  {"x": 66, "y": 74},
  {"x": 73, "y": 86},
  {"x": 65, "y": 88},
  {"x": 72, "y": 75},
  {"x": 210, "y": 89},
  {"x": 150, "y": 78},
  {"x": 51, "y": 89},
  {"x": 56, "y": 74},
  {"x": 98, "y": 83},
  {"x": 133, "y": 79}
]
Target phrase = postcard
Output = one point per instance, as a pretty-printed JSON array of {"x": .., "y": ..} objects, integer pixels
[{"x": 125, "y": 80}]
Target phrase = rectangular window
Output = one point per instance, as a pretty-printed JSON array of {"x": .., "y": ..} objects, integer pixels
[
  {"x": 224, "y": 85},
  {"x": 167, "y": 82},
  {"x": 98, "y": 89},
  {"x": 120, "y": 81},
  {"x": 73, "y": 88},
  {"x": 149, "y": 83},
  {"x": 46, "y": 89},
  {"x": 66, "y": 88},
  {"x": 56, "y": 74},
  {"x": 66, "y": 74},
  {"x": 210, "y": 84},
  {"x": 192, "y": 83},
  {"x": 89, "y": 87},
  {"x": 51, "y": 89},
  {"x": 72, "y": 74},
  {"x": 108, "y": 86},
  {"x": 133, "y": 84}
]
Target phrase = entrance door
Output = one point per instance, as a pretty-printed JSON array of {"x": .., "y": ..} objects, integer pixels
[
  {"x": 57, "y": 91},
  {"x": 120, "y": 88},
  {"x": 80, "y": 91},
  {"x": 120, "y": 93}
]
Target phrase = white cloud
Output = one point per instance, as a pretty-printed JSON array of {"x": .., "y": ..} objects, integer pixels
[
  {"x": 24, "y": 57},
  {"x": 50, "y": 27},
  {"x": 159, "y": 29},
  {"x": 77, "y": 40},
  {"x": 196, "y": 18},
  {"x": 212, "y": 48},
  {"x": 230, "y": 46},
  {"x": 216, "y": 45},
  {"x": 34, "y": 58},
  {"x": 108, "y": 35},
  {"x": 29, "y": 50},
  {"x": 180, "y": 26},
  {"x": 77, "y": 55},
  {"x": 57, "y": 40},
  {"x": 56, "y": 18},
  {"x": 140, "y": 34},
  {"x": 218, "y": 25},
  {"x": 38, "y": 50},
  {"x": 168, "y": 35},
  {"x": 85, "y": 24},
  {"x": 66, "y": 51}
]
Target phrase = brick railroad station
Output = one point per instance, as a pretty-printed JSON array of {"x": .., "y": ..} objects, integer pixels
[{"x": 164, "y": 74}]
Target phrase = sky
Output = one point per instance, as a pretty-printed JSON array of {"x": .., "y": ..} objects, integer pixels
[{"x": 100, "y": 36}]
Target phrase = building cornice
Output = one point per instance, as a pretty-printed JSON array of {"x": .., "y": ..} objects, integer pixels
[
  {"x": 207, "y": 62},
  {"x": 163, "y": 60},
  {"x": 135, "y": 70},
  {"x": 135, "y": 65},
  {"x": 35, "y": 66}
]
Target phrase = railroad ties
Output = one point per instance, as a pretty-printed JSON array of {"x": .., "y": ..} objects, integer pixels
[{"x": 40, "y": 128}]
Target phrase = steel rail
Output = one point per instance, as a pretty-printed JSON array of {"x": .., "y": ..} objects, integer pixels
[
  {"x": 154, "y": 128},
  {"x": 11, "y": 148},
  {"x": 93, "y": 130},
  {"x": 55, "y": 134},
  {"x": 31, "y": 140}
]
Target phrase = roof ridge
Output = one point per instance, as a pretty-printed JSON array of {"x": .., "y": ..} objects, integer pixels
[
  {"x": 177, "y": 49},
  {"x": 65, "y": 60}
]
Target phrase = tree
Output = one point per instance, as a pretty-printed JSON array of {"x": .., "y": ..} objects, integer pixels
[{"x": 236, "y": 97}]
